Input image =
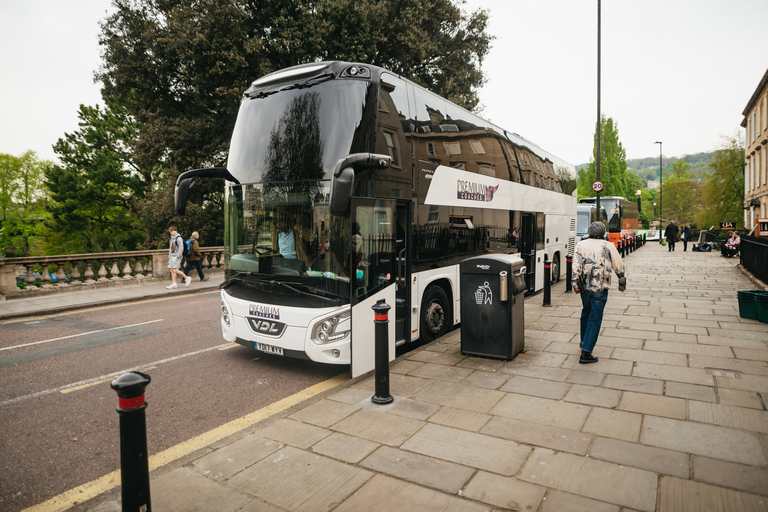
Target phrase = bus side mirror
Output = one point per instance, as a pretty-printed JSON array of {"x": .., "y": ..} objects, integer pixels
[
  {"x": 181, "y": 193},
  {"x": 187, "y": 179},
  {"x": 343, "y": 178}
]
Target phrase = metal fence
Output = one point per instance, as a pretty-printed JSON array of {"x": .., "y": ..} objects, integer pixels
[{"x": 754, "y": 256}]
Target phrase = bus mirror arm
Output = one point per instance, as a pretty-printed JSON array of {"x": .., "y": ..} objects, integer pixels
[
  {"x": 187, "y": 179},
  {"x": 343, "y": 178}
]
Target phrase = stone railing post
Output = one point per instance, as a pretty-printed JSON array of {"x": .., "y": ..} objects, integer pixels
[{"x": 7, "y": 278}]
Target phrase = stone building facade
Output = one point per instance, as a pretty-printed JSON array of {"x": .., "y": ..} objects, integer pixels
[{"x": 756, "y": 156}]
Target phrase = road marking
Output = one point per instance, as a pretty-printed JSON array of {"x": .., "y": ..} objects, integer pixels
[
  {"x": 78, "y": 388},
  {"x": 227, "y": 347},
  {"x": 92, "y": 489},
  {"x": 80, "y": 334},
  {"x": 102, "y": 378}
]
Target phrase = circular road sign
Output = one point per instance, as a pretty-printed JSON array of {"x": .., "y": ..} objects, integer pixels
[{"x": 597, "y": 186}]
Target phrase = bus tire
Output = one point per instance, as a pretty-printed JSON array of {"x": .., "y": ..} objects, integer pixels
[
  {"x": 555, "y": 277},
  {"x": 435, "y": 314}
]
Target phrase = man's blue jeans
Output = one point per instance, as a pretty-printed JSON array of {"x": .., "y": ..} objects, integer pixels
[
  {"x": 591, "y": 317},
  {"x": 196, "y": 265}
]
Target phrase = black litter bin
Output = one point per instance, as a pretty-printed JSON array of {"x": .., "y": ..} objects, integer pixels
[{"x": 492, "y": 290}]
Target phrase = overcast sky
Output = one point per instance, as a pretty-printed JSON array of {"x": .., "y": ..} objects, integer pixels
[{"x": 678, "y": 71}]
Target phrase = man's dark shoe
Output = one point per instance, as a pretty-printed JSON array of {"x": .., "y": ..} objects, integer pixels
[
  {"x": 205, "y": 278},
  {"x": 587, "y": 357}
]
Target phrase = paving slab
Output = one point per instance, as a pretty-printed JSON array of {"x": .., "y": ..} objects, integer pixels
[
  {"x": 542, "y": 410},
  {"x": 589, "y": 395},
  {"x": 387, "y": 494},
  {"x": 602, "y": 481},
  {"x": 324, "y": 413},
  {"x": 536, "y": 387},
  {"x": 475, "y": 450},
  {"x": 658, "y": 460},
  {"x": 728, "y": 416},
  {"x": 185, "y": 489},
  {"x": 535, "y": 434},
  {"x": 505, "y": 492},
  {"x": 344, "y": 447},
  {"x": 713, "y": 441},
  {"x": 691, "y": 391},
  {"x": 438, "y": 474},
  {"x": 679, "y": 495},
  {"x": 728, "y": 474},
  {"x": 585, "y": 378},
  {"x": 221, "y": 464},
  {"x": 460, "y": 418},
  {"x": 558, "y": 501},
  {"x": 740, "y": 398},
  {"x": 460, "y": 395},
  {"x": 637, "y": 384},
  {"x": 294, "y": 433},
  {"x": 379, "y": 427},
  {"x": 300, "y": 481},
  {"x": 485, "y": 379},
  {"x": 615, "y": 424},
  {"x": 653, "y": 404}
]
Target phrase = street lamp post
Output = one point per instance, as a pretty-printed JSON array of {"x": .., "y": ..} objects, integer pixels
[
  {"x": 639, "y": 208},
  {"x": 661, "y": 184},
  {"x": 654, "y": 210}
]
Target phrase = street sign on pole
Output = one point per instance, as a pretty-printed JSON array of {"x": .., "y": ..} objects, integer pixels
[{"x": 597, "y": 186}]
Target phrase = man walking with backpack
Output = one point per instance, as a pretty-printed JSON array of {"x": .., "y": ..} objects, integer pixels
[
  {"x": 594, "y": 260},
  {"x": 175, "y": 255},
  {"x": 194, "y": 256}
]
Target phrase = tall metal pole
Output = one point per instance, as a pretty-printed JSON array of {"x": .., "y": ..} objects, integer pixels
[
  {"x": 661, "y": 185},
  {"x": 599, "y": 119}
]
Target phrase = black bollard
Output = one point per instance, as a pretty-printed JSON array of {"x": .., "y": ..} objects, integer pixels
[
  {"x": 568, "y": 274},
  {"x": 381, "y": 321},
  {"x": 547, "y": 284},
  {"x": 134, "y": 461}
]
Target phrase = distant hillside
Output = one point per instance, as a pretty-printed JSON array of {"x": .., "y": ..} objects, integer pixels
[{"x": 648, "y": 168}]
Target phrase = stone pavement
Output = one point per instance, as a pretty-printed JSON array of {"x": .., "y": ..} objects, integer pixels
[
  {"x": 131, "y": 291},
  {"x": 672, "y": 418}
]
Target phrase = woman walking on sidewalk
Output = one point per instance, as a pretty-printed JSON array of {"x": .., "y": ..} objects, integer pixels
[{"x": 175, "y": 255}]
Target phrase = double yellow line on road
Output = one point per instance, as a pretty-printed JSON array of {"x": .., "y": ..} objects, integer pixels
[{"x": 90, "y": 490}]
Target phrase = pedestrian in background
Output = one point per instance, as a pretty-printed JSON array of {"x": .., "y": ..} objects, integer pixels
[
  {"x": 194, "y": 256},
  {"x": 687, "y": 236},
  {"x": 175, "y": 255},
  {"x": 594, "y": 260},
  {"x": 671, "y": 234}
]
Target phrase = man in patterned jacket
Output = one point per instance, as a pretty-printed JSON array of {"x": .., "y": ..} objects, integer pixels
[{"x": 595, "y": 259}]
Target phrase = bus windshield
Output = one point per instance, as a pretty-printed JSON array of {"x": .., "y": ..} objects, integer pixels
[{"x": 284, "y": 147}]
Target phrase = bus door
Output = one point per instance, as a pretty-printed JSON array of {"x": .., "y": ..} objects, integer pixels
[
  {"x": 403, "y": 273},
  {"x": 527, "y": 246},
  {"x": 372, "y": 257}
]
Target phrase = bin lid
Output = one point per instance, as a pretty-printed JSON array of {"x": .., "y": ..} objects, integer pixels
[{"x": 492, "y": 263}]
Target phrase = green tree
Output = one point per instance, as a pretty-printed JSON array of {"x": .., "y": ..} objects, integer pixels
[
  {"x": 180, "y": 69},
  {"x": 613, "y": 165},
  {"x": 22, "y": 203},
  {"x": 567, "y": 181},
  {"x": 94, "y": 190},
  {"x": 723, "y": 189}
]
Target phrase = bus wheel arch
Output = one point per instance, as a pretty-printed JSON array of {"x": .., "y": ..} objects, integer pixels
[{"x": 436, "y": 317}]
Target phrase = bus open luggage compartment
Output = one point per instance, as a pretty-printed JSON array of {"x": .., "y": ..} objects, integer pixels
[{"x": 706, "y": 243}]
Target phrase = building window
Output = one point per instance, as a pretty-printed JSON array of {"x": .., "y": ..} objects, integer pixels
[
  {"x": 487, "y": 170},
  {"x": 434, "y": 213},
  {"x": 452, "y": 148},
  {"x": 459, "y": 165},
  {"x": 431, "y": 149},
  {"x": 391, "y": 148},
  {"x": 449, "y": 128},
  {"x": 477, "y": 147}
]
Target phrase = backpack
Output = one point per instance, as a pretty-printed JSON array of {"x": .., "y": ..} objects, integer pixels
[{"x": 185, "y": 250}]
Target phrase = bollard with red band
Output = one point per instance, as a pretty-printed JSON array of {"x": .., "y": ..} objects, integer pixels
[
  {"x": 547, "y": 284},
  {"x": 381, "y": 325},
  {"x": 568, "y": 274},
  {"x": 134, "y": 460}
]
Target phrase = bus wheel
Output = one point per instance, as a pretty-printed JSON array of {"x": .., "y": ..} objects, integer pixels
[
  {"x": 555, "y": 276},
  {"x": 435, "y": 314}
]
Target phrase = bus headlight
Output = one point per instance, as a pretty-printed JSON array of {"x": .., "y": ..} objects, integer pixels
[
  {"x": 332, "y": 328},
  {"x": 225, "y": 313}
]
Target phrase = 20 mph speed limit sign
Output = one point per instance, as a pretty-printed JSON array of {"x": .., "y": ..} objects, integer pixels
[{"x": 597, "y": 186}]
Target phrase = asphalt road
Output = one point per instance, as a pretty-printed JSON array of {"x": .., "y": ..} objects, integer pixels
[{"x": 58, "y": 425}]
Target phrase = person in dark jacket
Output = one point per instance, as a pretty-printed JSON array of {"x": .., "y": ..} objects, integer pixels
[
  {"x": 194, "y": 256},
  {"x": 687, "y": 236},
  {"x": 671, "y": 234}
]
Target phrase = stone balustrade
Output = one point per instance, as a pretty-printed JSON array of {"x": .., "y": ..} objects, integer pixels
[{"x": 84, "y": 271}]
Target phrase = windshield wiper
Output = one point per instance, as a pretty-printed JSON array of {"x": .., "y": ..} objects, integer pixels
[{"x": 310, "y": 291}]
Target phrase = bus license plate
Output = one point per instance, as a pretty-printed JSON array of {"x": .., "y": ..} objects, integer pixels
[{"x": 269, "y": 348}]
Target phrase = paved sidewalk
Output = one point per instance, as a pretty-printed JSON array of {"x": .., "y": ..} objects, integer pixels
[
  {"x": 672, "y": 418},
  {"x": 69, "y": 300}
]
